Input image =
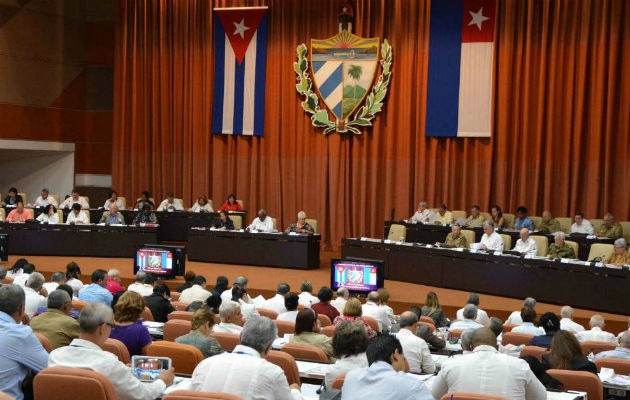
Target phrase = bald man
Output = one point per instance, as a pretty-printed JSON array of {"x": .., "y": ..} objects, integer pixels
[
  {"x": 112, "y": 217},
  {"x": 371, "y": 309},
  {"x": 415, "y": 349},
  {"x": 487, "y": 371},
  {"x": 526, "y": 245}
]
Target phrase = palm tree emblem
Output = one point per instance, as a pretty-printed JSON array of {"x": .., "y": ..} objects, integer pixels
[{"x": 355, "y": 72}]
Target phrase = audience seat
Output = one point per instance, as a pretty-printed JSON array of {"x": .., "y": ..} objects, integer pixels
[
  {"x": 3, "y": 215},
  {"x": 285, "y": 361},
  {"x": 574, "y": 246},
  {"x": 237, "y": 220},
  {"x": 187, "y": 315},
  {"x": 60, "y": 216},
  {"x": 284, "y": 327},
  {"x": 176, "y": 328},
  {"x": 602, "y": 250},
  {"x": 596, "y": 347},
  {"x": 228, "y": 341},
  {"x": 44, "y": 341},
  {"x": 534, "y": 351},
  {"x": 621, "y": 367},
  {"x": 485, "y": 215},
  {"x": 337, "y": 383},
  {"x": 305, "y": 352},
  {"x": 430, "y": 325},
  {"x": 180, "y": 305},
  {"x": 507, "y": 241},
  {"x": 87, "y": 215},
  {"x": 329, "y": 330},
  {"x": 184, "y": 356},
  {"x": 471, "y": 396},
  {"x": 371, "y": 322},
  {"x": 86, "y": 198},
  {"x": 240, "y": 202},
  {"x": 625, "y": 225},
  {"x": 175, "y": 296},
  {"x": 117, "y": 348},
  {"x": 542, "y": 244},
  {"x": 192, "y": 395},
  {"x": 73, "y": 383},
  {"x": 565, "y": 224},
  {"x": 536, "y": 221},
  {"x": 458, "y": 214},
  {"x": 509, "y": 220},
  {"x": 516, "y": 339},
  {"x": 147, "y": 315},
  {"x": 275, "y": 223},
  {"x": 397, "y": 233},
  {"x": 313, "y": 224},
  {"x": 424, "y": 318},
  {"x": 469, "y": 235},
  {"x": 324, "y": 320},
  {"x": 455, "y": 333},
  {"x": 123, "y": 200},
  {"x": 581, "y": 381},
  {"x": 271, "y": 314},
  {"x": 24, "y": 198},
  {"x": 7, "y": 280},
  {"x": 56, "y": 197},
  {"x": 79, "y": 304},
  {"x": 509, "y": 327}
]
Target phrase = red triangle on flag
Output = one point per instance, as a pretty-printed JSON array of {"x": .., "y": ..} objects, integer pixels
[{"x": 239, "y": 25}]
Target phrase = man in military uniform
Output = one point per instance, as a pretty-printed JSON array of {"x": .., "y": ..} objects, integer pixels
[
  {"x": 559, "y": 249},
  {"x": 455, "y": 238},
  {"x": 549, "y": 224},
  {"x": 610, "y": 228},
  {"x": 475, "y": 220}
]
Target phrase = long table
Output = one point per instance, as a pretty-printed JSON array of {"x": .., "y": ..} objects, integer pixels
[
  {"x": 267, "y": 249},
  {"x": 430, "y": 233},
  {"x": 567, "y": 282},
  {"x": 76, "y": 240}
]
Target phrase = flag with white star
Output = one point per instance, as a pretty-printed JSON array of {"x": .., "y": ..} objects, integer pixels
[
  {"x": 461, "y": 60},
  {"x": 240, "y": 63}
]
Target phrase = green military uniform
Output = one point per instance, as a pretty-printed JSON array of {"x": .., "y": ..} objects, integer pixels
[
  {"x": 614, "y": 231},
  {"x": 458, "y": 242},
  {"x": 564, "y": 251},
  {"x": 550, "y": 226},
  {"x": 474, "y": 222}
]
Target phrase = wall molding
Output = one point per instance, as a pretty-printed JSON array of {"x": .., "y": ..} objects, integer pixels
[{"x": 94, "y": 180}]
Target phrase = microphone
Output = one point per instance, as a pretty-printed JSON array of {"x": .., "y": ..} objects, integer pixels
[{"x": 393, "y": 212}]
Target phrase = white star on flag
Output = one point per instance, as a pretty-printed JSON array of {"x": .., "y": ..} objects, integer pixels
[
  {"x": 241, "y": 28},
  {"x": 477, "y": 18}
]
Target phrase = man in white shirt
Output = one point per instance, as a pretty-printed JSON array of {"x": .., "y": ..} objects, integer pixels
[
  {"x": 141, "y": 286},
  {"x": 74, "y": 199},
  {"x": 415, "y": 349},
  {"x": 567, "y": 323},
  {"x": 306, "y": 297},
  {"x": 276, "y": 303},
  {"x": 339, "y": 303},
  {"x": 526, "y": 245},
  {"x": 491, "y": 240},
  {"x": 245, "y": 372},
  {"x": 582, "y": 225},
  {"x": 262, "y": 223},
  {"x": 240, "y": 281},
  {"x": 487, "y": 371},
  {"x": 56, "y": 279},
  {"x": 467, "y": 320},
  {"x": 423, "y": 214},
  {"x": 35, "y": 293},
  {"x": 170, "y": 204},
  {"x": 231, "y": 316},
  {"x": 528, "y": 315},
  {"x": 197, "y": 292},
  {"x": 596, "y": 334},
  {"x": 482, "y": 316},
  {"x": 515, "y": 317},
  {"x": 45, "y": 199},
  {"x": 291, "y": 302},
  {"x": 371, "y": 309},
  {"x": 96, "y": 322},
  {"x": 76, "y": 216}
]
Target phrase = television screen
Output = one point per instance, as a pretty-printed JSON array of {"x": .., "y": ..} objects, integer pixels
[
  {"x": 155, "y": 261},
  {"x": 358, "y": 276}
]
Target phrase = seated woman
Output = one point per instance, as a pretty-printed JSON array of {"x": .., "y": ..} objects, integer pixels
[
  {"x": 307, "y": 332},
  {"x": 213, "y": 303},
  {"x": 146, "y": 216},
  {"x": 20, "y": 214},
  {"x": 349, "y": 344},
  {"x": 49, "y": 216},
  {"x": 113, "y": 199},
  {"x": 239, "y": 295},
  {"x": 231, "y": 204},
  {"x": 129, "y": 328},
  {"x": 353, "y": 311},
  {"x": 431, "y": 309},
  {"x": 199, "y": 336},
  {"x": 201, "y": 205},
  {"x": 17, "y": 268},
  {"x": 145, "y": 198},
  {"x": 566, "y": 353},
  {"x": 496, "y": 216},
  {"x": 620, "y": 255},
  {"x": 73, "y": 277},
  {"x": 551, "y": 324},
  {"x": 13, "y": 197},
  {"x": 301, "y": 226},
  {"x": 224, "y": 223},
  {"x": 324, "y": 296},
  {"x": 383, "y": 296}
]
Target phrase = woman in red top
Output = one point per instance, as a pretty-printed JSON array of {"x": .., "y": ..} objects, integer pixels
[
  {"x": 231, "y": 204},
  {"x": 353, "y": 312},
  {"x": 324, "y": 295}
]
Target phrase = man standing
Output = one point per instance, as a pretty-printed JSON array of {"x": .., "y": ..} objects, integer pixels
[
  {"x": 96, "y": 292},
  {"x": 55, "y": 323}
]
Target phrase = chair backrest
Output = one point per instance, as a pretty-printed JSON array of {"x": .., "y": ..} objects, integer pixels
[
  {"x": 597, "y": 223},
  {"x": 455, "y": 333},
  {"x": 240, "y": 202},
  {"x": 371, "y": 322},
  {"x": 285, "y": 361},
  {"x": 507, "y": 241},
  {"x": 574, "y": 246},
  {"x": 430, "y": 325},
  {"x": 458, "y": 214},
  {"x": 271, "y": 314},
  {"x": 180, "y": 305},
  {"x": 328, "y": 331},
  {"x": 565, "y": 224},
  {"x": 424, "y": 318},
  {"x": 117, "y": 348},
  {"x": 123, "y": 201},
  {"x": 596, "y": 347},
  {"x": 44, "y": 341},
  {"x": 621, "y": 367},
  {"x": 237, "y": 220},
  {"x": 542, "y": 243},
  {"x": 184, "y": 356},
  {"x": 324, "y": 320},
  {"x": 7, "y": 280},
  {"x": 275, "y": 223},
  {"x": 147, "y": 315},
  {"x": 625, "y": 225},
  {"x": 305, "y": 352},
  {"x": 187, "y": 315},
  {"x": 337, "y": 383},
  {"x": 470, "y": 396},
  {"x": 469, "y": 235},
  {"x": 86, "y": 198},
  {"x": 516, "y": 339},
  {"x": 284, "y": 327},
  {"x": 79, "y": 304},
  {"x": 60, "y": 216},
  {"x": 581, "y": 381},
  {"x": 24, "y": 197},
  {"x": 194, "y": 395},
  {"x": 534, "y": 351},
  {"x": 176, "y": 328},
  {"x": 397, "y": 232},
  {"x": 536, "y": 221},
  {"x": 2, "y": 214},
  {"x": 485, "y": 215},
  {"x": 602, "y": 250},
  {"x": 509, "y": 219},
  {"x": 56, "y": 197},
  {"x": 228, "y": 341},
  {"x": 508, "y": 327},
  {"x": 75, "y": 382},
  {"x": 313, "y": 224},
  {"x": 175, "y": 296}
]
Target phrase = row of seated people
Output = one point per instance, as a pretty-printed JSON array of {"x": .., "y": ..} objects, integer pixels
[
  {"x": 607, "y": 227},
  {"x": 368, "y": 357}
]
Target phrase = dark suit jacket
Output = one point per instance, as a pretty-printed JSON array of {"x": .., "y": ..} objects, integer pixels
[
  {"x": 542, "y": 341},
  {"x": 159, "y": 306},
  {"x": 17, "y": 198},
  {"x": 437, "y": 316},
  {"x": 425, "y": 333}
]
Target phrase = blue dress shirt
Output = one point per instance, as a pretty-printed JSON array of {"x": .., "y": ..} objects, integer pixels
[
  {"x": 524, "y": 223},
  {"x": 21, "y": 352},
  {"x": 380, "y": 381},
  {"x": 619, "y": 352},
  {"x": 95, "y": 293}
]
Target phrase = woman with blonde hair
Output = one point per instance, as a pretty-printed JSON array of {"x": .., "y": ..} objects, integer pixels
[
  {"x": 431, "y": 309},
  {"x": 201, "y": 326},
  {"x": 129, "y": 328},
  {"x": 353, "y": 311}
]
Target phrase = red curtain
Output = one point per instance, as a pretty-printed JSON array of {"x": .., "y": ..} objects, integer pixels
[{"x": 561, "y": 137}]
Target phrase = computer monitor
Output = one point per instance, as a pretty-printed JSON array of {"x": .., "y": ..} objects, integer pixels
[
  {"x": 359, "y": 276},
  {"x": 167, "y": 262}
]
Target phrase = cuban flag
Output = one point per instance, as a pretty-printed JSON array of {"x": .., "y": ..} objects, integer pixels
[
  {"x": 461, "y": 61},
  {"x": 240, "y": 62}
]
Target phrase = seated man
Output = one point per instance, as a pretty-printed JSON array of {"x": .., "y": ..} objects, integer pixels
[
  {"x": 197, "y": 292},
  {"x": 526, "y": 245},
  {"x": 620, "y": 255},
  {"x": 465, "y": 340},
  {"x": 230, "y": 313},
  {"x": 489, "y": 372},
  {"x": 142, "y": 287},
  {"x": 475, "y": 220},
  {"x": 495, "y": 325},
  {"x": 76, "y": 216},
  {"x": 528, "y": 315},
  {"x": 482, "y": 316},
  {"x": 276, "y": 303},
  {"x": 596, "y": 333},
  {"x": 56, "y": 279},
  {"x": 491, "y": 240},
  {"x": 443, "y": 217},
  {"x": 426, "y": 333},
  {"x": 515, "y": 317},
  {"x": 159, "y": 303},
  {"x": 522, "y": 220},
  {"x": 146, "y": 216},
  {"x": 55, "y": 323},
  {"x": 144, "y": 200},
  {"x": 548, "y": 224},
  {"x": 622, "y": 351},
  {"x": 170, "y": 204},
  {"x": 455, "y": 238},
  {"x": 415, "y": 349},
  {"x": 371, "y": 309},
  {"x": 245, "y": 372},
  {"x": 560, "y": 249},
  {"x": 21, "y": 351},
  {"x": 301, "y": 226},
  {"x": 12, "y": 197},
  {"x": 45, "y": 199},
  {"x": 113, "y": 217},
  {"x": 291, "y": 302},
  {"x": 73, "y": 199},
  {"x": 339, "y": 303},
  {"x": 385, "y": 378},
  {"x": 610, "y": 228},
  {"x": 113, "y": 282},
  {"x": 469, "y": 315},
  {"x": 567, "y": 323},
  {"x": 35, "y": 293},
  {"x": 96, "y": 292},
  {"x": 20, "y": 214},
  {"x": 262, "y": 223},
  {"x": 96, "y": 323},
  {"x": 423, "y": 214},
  {"x": 306, "y": 294},
  {"x": 582, "y": 225}
]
